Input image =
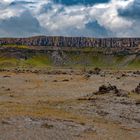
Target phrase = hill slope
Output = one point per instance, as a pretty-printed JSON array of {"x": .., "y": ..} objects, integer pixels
[
  {"x": 74, "y": 58},
  {"x": 45, "y": 51}
]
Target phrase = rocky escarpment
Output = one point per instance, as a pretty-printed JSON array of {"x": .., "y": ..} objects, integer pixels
[
  {"x": 71, "y": 51},
  {"x": 74, "y": 42}
]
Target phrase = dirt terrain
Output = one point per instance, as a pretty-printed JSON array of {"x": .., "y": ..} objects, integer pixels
[{"x": 69, "y": 105}]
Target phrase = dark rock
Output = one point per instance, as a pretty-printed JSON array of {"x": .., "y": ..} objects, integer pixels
[
  {"x": 107, "y": 89},
  {"x": 55, "y": 81},
  {"x": 113, "y": 90},
  {"x": 97, "y": 70},
  {"x": 6, "y": 76},
  {"x": 121, "y": 93},
  {"x": 11, "y": 95},
  {"x": 124, "y": 75},
  {"x": 137, "y": 102},
  {"x": 90, "y": 72},
  {"x": 8, "y": 89},
  {"x": 65, "y": 80},
  {"x": 102, "y": 113},
  {"x": 137, "y": 89},
  {"x": 46, "y": 125},
  {"x": 136, "y": 72},
  {"x": 118, "y": 78},
  {"x": 87, "y": 76}
]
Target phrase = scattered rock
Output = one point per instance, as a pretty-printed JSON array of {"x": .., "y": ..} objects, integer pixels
[
  {"x": 65, "y": 80},
  {"x": 137, "y": 102},
  {"x": 107, "y": 89},
  {"x": 102, "y": 75},
  {"x": 5, "y": 122},
  {"x": 102, "y": 113},
  {"x": 97, "y": 71},
  {"x": 11, "y": 95},
  {"x": 87, "y": 76},
  {"x": 136, "y": 72},
  {"x": 121, "y": 93},
  {"x": 6, "y": 76},
  {"x": 55, "y": 81},
  {"x": 118, "y": 78},
  {"x": 46, "y": 125},
  {"x": 27, "y": 81},
  {"x": 8, "y": 89},
  {"x": 123, "y": 75},
  {"x": 111, "y": 89},
  {"x": 137, "y": 89},
  {"x": 90, "y": 72}
]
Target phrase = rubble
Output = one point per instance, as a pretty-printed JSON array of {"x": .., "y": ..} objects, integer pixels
[
  {"x": 111, "y": 89},
  {"x": 137, "y": 89}
]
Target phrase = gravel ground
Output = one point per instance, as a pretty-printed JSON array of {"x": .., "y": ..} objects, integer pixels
[{"x": 37, "y": 106}]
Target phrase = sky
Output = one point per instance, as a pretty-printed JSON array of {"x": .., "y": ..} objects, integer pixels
[{"x": 89, "y": 18}]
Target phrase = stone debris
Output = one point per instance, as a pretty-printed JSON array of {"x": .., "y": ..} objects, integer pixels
[
  {"x": 137, "y": 89},
  {"x": 111, "y": 89}
]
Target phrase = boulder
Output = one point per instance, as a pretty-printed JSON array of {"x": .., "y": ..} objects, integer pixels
[{"x": 111, "y": 90}]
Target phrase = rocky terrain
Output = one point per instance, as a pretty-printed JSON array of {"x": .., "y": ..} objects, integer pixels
[
  {"x": 62, "y": 88},
  {"x": 65, "y": 104}
]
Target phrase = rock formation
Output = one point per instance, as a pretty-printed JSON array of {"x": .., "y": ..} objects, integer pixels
[{"x": 74, "y": 42}]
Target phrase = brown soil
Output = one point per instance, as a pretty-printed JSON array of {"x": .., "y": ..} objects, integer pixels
[{"x": 63, "y": 106}]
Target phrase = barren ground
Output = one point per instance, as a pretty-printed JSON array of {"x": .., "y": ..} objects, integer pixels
[{"x": 49, "y": 107}]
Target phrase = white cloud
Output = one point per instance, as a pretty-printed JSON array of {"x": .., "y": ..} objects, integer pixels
[
  {"x": 78, "y": 16},
  {"x": 65, "y": 20},
  {"x": 107, "y": 15},
  {"x": 60, "y": 17}
]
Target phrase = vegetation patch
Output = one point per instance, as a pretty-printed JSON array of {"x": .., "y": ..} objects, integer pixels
[{"x": 77, "y": 59}]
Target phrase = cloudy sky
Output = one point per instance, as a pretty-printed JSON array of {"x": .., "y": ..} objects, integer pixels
[{"x": 94, "y": 18}]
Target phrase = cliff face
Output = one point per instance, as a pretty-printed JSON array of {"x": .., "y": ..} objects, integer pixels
[{"x": 74, "y": 42}]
